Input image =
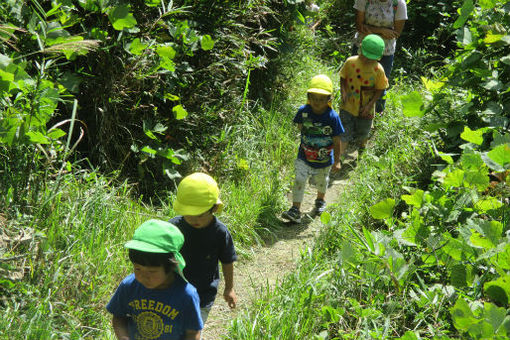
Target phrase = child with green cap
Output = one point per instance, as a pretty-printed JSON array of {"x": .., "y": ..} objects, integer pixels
[
  {"x": 319, "y": 149},
  {"x": 207, "y": 240},
  {"x": 154, "y": 302},
  {"x": 362, "y": 83}
]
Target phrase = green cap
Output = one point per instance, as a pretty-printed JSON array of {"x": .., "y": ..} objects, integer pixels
[
  {"x": 156, "y": 236},
  {"x": 372, "y": 47}
]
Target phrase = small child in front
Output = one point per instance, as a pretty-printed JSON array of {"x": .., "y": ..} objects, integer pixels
[
  {"x": 156, "y": 302},
  {"x": 362, "y": 83},
  {"x": 207, "y": 240},
  {"x": 319, "y": 150}
]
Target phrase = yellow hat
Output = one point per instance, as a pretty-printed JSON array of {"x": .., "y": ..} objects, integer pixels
[
  {"x": 321, "y": 84},
  {"x": 196, "y": 194}
]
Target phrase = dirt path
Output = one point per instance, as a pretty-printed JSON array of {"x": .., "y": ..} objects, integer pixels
[{"x": 270, "y": 263}]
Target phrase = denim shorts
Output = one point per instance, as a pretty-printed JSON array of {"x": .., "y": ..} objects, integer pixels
[{"x": 356, "y": 129}]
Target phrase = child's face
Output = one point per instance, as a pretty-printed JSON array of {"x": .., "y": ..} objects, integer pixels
[
  {"x": 318, "y": 102},
  {"x": 200, "y": 221},
  {"x": 152, "y": 277}
]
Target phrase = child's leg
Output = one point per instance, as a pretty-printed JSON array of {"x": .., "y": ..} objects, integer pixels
[
  {"x": 387, "y": 64},
  {"x": 348, "y": 122},
  {"x": 302, "y": 174},
  {"x": 321, "y": 179},
  {"x": 363, "y": 127},
  {"x": 204, "y": 313}
]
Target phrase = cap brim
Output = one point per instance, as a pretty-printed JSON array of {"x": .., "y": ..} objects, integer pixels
[
  {"x": 143, "y": 246},
  {"x": 194, "y": 210},
  {"x": 319, "y": 91}
]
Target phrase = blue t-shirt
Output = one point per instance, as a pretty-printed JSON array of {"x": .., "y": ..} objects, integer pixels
[
  {"x": 162, "y": 314},
  {"x": 316, "y": 147},
  {"x": 202, "y": 249}
]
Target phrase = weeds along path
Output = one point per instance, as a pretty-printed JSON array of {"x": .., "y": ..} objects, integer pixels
[{"x": 271, "y": 262}]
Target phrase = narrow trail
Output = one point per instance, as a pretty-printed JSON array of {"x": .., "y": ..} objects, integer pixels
[{"x": 271, "y": 262}]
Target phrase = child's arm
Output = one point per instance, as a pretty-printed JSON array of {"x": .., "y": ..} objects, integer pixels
[
  {"x": 337, "y": 165},
  {"x": 229, "y": 294},
  {"x": 367, "y": 109},
  {"x": 343, "y": 89},
  {"x": 191, "y": 334},
  {"x": 120, "y": 327}
]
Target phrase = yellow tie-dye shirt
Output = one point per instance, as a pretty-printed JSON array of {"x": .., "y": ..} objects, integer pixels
[{"x": 362, "y": 81}]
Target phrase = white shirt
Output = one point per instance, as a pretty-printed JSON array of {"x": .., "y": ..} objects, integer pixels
[{"x": 380, "y": 14}]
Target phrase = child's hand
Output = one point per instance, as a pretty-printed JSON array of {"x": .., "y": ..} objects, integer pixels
[
  {"x": 336, "y": 167},
  {"x": 230, "y": 297}
]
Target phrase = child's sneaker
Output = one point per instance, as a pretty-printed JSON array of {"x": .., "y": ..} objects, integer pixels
[
  {"x": 320, "y": 206},
  {"x": 292, "y": 214}
]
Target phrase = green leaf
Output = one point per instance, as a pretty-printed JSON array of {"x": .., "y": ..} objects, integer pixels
[
  {"x": 488, "y": 203},
  {"x": 495, "y": 316},
  {"x": 501, "y": 259},
  {"x": 409, "y": 335},
  {"x": 477, "y": 178},
  {"x": 325, "y": 218},
  {"x": 180, "y": 112},
  {"x": 149, "y": 150},
  {"x": 383, "y": 209},
  {"x": 499, "y": 290},
  {"x": 454, "y": 178},
  {"x": 369, "y": 239},
  {"x": 206, "y": 42},
  {"x": 493, "y": 85},
  {"x": 165, "y": 51},
  {"x": 38, "y": 137},
  {"x": 465, "y": 11},
  {"x": 56, "y": 134},
  {"x": 461, "y": 275},
  {"x": 136, "y": 47},
  {"x": 121, "y": 18},
  {"x": 413, "y": 104},
  {"x": 416, "y": 199},
  {"x": 462, "y": 315},
  {"x": 500, "y": 154},
  {"x": 447, "y": 157},
  {"x": 458, "y": 249},
  {"x": 475, "y": 137},
  {"x": 488, "y": 4},
  {"x": 492, "y": 38},
  {"x": 167, "y": 64}
]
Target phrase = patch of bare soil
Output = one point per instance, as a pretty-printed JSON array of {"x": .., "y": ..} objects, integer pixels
[{"x": 271, "y": 262}]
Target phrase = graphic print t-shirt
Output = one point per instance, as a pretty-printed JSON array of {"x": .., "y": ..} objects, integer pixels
[
  {"x": 362, "y": 82},
  {"x": 161, "y": 314},
  {"x": 317, "y": 134}
]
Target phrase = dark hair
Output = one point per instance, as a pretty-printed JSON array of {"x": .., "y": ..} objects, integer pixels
[{"x": 167, "y": 260}]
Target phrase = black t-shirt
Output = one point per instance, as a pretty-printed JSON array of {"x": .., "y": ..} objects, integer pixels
[{"x": 202, "y": 249}]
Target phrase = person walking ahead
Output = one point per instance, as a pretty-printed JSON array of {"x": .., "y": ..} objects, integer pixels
[{"x": 319, "y": 149}]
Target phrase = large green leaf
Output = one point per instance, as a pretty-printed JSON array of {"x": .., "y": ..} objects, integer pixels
[
  {"x": 488, "y": 4},
  {"x": 458, "y": 249},
  {"x": 121, "y": 18},
  {"x": 465, "y": 11},
  {"x": 137, "y": 47},
  {"x": 488, "y": 203},
  {"x": 500, "y": 154},
  {"x": 499, "y": 290},
  {"x": 462, "y": 315},
  {"x": 413, "y": 104},
  {"x": 383, "y": 209},
  {"x": 416, "y": 199},
  {"x": 454, "y": 178},
  {"x": 475, "y": 137},
  {"x": 461, "y": 275}
]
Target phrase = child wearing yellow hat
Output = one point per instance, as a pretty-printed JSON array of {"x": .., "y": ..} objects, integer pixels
[
  {"x": 156, "y": 302},
  {"x": 207, "y": 240},
  {"x": 319, "y": 150}
]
